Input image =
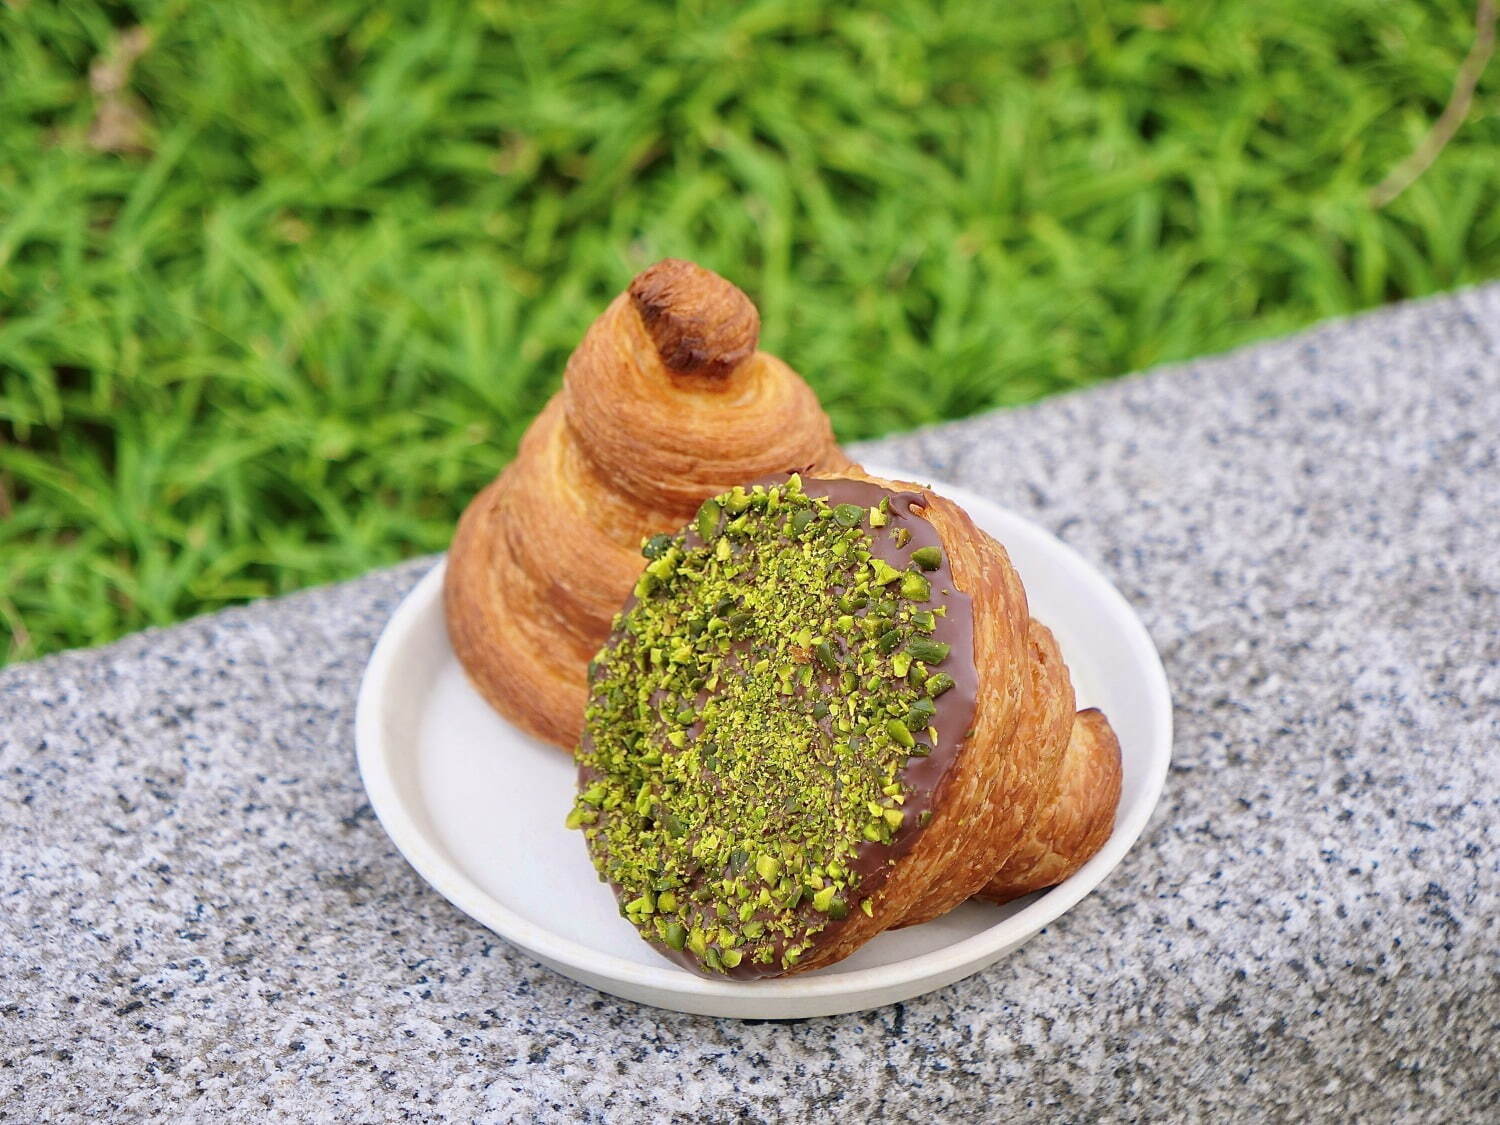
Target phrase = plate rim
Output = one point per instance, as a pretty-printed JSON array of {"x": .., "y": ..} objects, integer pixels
[{"x": 669, "y": 981}]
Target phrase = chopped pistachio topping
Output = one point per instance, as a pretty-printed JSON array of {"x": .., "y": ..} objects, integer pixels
[
  {"x": 708, "y": 519},
  {"x": 915, "y": 587},
  {"x": 928, "y": 558},
  {"x": 849, "y": 515},
  {"x": 750, "y": 721},
  {"x": 937, "y": 684}
]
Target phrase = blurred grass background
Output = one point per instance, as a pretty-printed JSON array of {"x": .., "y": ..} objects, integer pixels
[{"x": 282, "y": 283}]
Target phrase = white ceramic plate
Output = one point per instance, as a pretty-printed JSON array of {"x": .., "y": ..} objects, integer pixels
[{"x": 477, "y": 807}]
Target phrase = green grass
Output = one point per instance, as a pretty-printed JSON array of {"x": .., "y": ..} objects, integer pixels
[{"x": 285, "y": 334}]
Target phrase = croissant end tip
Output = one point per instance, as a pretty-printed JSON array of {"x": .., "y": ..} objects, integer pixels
[{"x": 699, "y": 322}]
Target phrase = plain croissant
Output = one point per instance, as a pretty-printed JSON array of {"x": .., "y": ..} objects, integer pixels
[{"x": 665, "y": 401}]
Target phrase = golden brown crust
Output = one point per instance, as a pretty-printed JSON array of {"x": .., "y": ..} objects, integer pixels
[
  {"x": 665, "y": 401},
  {"x": 698, "y": 321},
  {"x": 1035, "y": 756},
  {"x": 1076, "y": 823}
]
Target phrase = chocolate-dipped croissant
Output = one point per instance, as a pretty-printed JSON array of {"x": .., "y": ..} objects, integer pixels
[
  {"x": 825, "y": 712},
  {"x": 665, "y": 401}
]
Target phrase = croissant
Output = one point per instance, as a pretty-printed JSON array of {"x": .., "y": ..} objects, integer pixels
[
  {"x": 824, "y": 712},
  {"x": 665, "y": 401}
]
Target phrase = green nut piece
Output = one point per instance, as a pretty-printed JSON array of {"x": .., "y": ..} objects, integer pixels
[
  {"x": 927, "y": 650},
  {"x": 823, "y": 899},
  {"x": 921, "y": 714},
  {"x": 708, "y": 519},
  {"x": 937, "y": 684},
  {"x": 899, "y": 733},
  {"x": 656, "y": 546},
  {"x": 928, "y": 558},
  {"x": 915, "y": 587},
  {"x": 848, "y": 515}
]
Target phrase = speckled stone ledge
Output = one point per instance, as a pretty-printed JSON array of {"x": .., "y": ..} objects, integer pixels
[{"x": 202, "y": 919}]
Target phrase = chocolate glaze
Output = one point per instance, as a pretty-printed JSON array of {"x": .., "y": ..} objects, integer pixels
[{"x": 924, "y": 778}]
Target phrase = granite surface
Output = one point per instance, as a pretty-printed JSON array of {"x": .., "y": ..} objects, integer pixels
[{"x": 201, "y": 918}]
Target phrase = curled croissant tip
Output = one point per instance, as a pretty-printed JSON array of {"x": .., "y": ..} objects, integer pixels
[{"x": 699, "y": 322}]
